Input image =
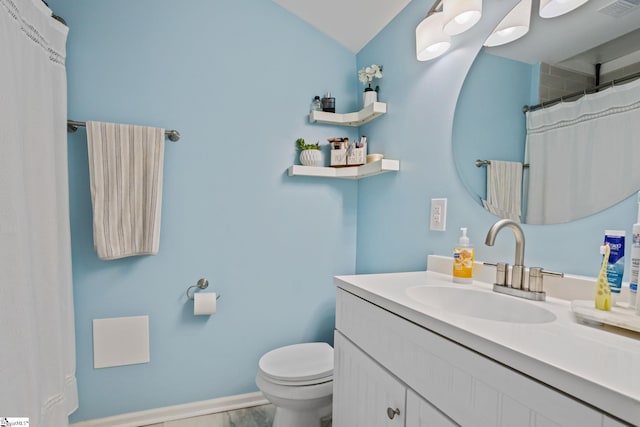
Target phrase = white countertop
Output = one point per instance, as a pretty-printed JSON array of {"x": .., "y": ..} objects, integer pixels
[{"x": 597, "y": 366}]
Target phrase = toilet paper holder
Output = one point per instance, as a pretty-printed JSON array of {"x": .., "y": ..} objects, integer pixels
[{"x": 202, "y": 284}]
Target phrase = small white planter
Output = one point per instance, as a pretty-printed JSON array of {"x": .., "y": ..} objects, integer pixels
[{"x": 311, "y": 158}]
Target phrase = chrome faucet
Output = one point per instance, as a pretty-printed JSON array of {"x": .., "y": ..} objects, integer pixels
[
  {"x": 519, "y": 287},
  {"x": 517, "y": 274}
]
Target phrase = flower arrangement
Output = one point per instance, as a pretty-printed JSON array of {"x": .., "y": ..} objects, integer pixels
[{"x": 367, "y": 74}]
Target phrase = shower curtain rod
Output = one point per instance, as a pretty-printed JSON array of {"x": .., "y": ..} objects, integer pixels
[
  {"x": 581, "y": 92},
  {"x": 72, "y": 127}
]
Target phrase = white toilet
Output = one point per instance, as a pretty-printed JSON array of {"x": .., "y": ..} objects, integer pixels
[{"x": 298, "y": 380}]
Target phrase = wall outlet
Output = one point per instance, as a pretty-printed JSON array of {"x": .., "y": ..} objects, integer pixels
[{"x": 438, "y": 217}]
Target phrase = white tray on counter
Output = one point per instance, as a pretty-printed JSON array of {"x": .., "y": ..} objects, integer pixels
[{"x": 618, "y": 316}]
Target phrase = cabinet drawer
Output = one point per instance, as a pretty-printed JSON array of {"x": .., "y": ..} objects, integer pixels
[{"x": 468, "y": 387}]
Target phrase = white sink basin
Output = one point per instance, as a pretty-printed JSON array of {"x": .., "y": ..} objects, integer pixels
[{"x": 479, "y": 304}]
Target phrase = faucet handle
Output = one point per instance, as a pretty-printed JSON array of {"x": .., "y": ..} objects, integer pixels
[
  {"x": 502, "y": 272},
  {"x": 536, "y": 274}
]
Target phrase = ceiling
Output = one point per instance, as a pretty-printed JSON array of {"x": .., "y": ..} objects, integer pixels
[
  {"x": 352, "y": 23},
  {"x": 576, "y": 40}
]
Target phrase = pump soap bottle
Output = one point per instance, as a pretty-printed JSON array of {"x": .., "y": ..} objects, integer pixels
[{"x": 463, "y": 256}]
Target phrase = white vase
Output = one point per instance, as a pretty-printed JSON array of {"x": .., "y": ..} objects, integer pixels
[
  {"x": 369, "y": 97},
  {"x": 311, "y": 158}
]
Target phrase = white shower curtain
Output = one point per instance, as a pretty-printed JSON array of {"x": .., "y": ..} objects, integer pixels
[
  {"x": 583, "y": 156},
  {"x": 37, "y": 342}
]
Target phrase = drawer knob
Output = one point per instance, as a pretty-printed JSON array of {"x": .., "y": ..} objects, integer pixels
[{"x": 391, "y": 413}]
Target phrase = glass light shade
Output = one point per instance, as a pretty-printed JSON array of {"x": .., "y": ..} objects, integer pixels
[
  {"x": 553, "y": 8},
  {"x": 513, "y": 26},
  {"x": 460, "y": 15},
  {"x": 431, "y": 41}
]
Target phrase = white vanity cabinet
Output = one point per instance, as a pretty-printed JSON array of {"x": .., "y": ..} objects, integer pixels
[{"x": 385, "y": 361}]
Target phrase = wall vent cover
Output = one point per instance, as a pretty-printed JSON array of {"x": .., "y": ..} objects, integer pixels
[{"x": 619, "y": 8}]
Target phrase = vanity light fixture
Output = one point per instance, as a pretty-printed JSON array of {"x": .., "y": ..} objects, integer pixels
[
  {"x": 431, "y": 41},
  {"x": 553, "y": 8},
  {"x": 460, "y": 15},
  {"x": 513, "y": 26},
  {"x": 451, "y": 17}
]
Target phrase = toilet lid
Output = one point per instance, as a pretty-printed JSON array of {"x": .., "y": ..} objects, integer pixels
[{"x": 298, "y": 362}]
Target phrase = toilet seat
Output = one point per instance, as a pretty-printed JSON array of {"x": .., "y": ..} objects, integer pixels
[{"x": 298, "y": 364}]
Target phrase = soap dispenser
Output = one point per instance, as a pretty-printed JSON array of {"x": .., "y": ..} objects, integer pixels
[{"x": 463, "y": 256}]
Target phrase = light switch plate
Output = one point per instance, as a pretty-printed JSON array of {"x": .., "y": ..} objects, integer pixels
[
  {"x": 120, "y": 341},
  {"x": 438, "y": 216}
]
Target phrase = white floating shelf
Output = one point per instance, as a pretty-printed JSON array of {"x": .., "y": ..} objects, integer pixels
[
  {"x": 358, "y": 118},
  {"x": 353, "y": 172}
]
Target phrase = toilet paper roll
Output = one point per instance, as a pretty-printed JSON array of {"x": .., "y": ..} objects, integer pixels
[{"x": 204, "y": 303}]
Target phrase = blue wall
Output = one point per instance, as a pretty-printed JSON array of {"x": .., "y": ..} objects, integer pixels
[
  {"x": 393, "y": 211},
  {"x": 236, "y": 78}
]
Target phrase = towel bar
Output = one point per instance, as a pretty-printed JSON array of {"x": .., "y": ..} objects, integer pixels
[
  {"x": 480, "y": 163},
  {"x": 72, "y": 127}
]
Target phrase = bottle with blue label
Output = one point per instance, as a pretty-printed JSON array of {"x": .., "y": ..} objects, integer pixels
[
  {"x": 635, "y": 261},
  {"x": 615, "y": 267},
  {"x": 635, "y": 266}
]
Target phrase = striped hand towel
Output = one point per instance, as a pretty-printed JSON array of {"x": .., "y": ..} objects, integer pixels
[
  {"x": 125, "y": 171},
  {"x": 504, "y": 189}
]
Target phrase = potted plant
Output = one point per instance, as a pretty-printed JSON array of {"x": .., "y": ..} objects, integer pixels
[
  {"x": 366, "y": 76},
  {"x": 310, "y": 154}
]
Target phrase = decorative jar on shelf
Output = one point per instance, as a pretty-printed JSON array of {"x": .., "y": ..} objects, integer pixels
[{"x": 369, "y": 96}]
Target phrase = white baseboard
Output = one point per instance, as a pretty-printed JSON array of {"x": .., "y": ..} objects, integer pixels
[{"x": 177, "y": 412}]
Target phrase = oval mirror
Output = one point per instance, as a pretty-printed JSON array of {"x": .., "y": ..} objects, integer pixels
[{"x": 556, "y": 58}]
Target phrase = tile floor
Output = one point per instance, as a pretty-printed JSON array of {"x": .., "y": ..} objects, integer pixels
[{"x": 258, "y": 416}]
